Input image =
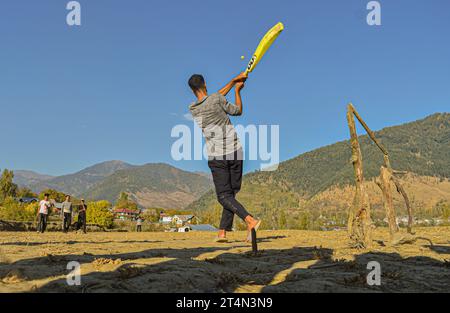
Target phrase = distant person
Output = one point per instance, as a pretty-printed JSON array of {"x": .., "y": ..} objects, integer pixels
[
  {"x": 82, "y": 217},
  {"x": 225, "y": 157},
  {"x": 139, "y": 225},
  {"x": 44, "y": 207},
  {"x": 66, "y": 212}
]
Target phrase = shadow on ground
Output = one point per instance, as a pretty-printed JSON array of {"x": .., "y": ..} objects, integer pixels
[
  {"x": 440, "y": 249},
  {"x": 231, "y": 268},
  {"x": 178, "y": 270}
]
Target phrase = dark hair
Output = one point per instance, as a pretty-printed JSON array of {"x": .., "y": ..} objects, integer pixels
[
  {"x": 46, "y": 195},
  {"x": 196, "y": 82}
]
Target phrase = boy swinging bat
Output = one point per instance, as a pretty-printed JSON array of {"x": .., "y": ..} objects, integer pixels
[{"x": 225, "y": 156}]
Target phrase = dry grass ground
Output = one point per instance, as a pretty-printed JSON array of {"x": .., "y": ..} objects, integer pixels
[{"x": 288, "y": 261}]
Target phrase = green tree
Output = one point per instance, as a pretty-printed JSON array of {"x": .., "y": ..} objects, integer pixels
[
  {"x": 282, "y": 220},
  {"x": 30, "y": 211},
  {"x": 444, "y": 209},
  {"x": 7, "y": 187},
  {"x": 25, "y": 192},
  {"x": 98, "y": 213},
  {"x": 54, "y": 194},
  {"x": 304, "y": 221},
  {"x": 12, "y": 210},
  {"x": 123, "y": 197},
  {"x": 125, "y": 203},
  {"x": 152, "y": 214}
]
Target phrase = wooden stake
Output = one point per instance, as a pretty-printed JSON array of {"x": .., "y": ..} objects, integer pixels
[{"x": 254, "y": 243}]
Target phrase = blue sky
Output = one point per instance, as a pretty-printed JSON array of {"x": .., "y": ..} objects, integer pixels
[{"x": 114, "y": 87}]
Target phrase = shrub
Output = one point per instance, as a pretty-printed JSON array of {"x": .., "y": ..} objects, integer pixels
[
  {"x": 98, "y": 213},
  {"x": 12, "y": 210}
]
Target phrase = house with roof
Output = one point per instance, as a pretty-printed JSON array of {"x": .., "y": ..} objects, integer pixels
[
  {"x": 165, "y": 218},
  {"x": 203, "y": 227},
  {"x": 125, "y": 214},
  {"x": 28, "y": 200}
]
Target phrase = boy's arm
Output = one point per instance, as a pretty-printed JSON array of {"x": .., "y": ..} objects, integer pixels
[
  {"x": 226, "y": 89},
  {"x": 238, "y": 98}
]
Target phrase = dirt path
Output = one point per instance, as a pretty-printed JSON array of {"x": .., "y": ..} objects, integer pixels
[{"x": 289, "y": 261}]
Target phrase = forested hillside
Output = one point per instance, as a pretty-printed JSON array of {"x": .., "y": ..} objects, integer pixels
[{"x": 421, "y": 147}]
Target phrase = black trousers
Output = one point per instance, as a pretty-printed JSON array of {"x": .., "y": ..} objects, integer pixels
[
  {"x": 139, "y": 228},
  {"x": 66, "y": 222},
  {"x": 82, "y": 221},
  {"x": 227, "y": 177},
  {"x": 42, "y": 222}
]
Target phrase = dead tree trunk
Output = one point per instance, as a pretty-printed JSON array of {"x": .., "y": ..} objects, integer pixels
[
  {"x": 359, "y": 222},
  {"x": 384, "y": 182},
  {"x": 402, "y": 191}
]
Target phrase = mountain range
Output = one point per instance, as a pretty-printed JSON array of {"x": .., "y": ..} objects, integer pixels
[
  {"x": 150, "y": 185},
  {"x": 321, "y": 178},
  {"x": 153, "y": 185},
  {"x": 319, "y": 181},
  {"x": 29, "y": 178},
  {"x": 78, "y": 183}
]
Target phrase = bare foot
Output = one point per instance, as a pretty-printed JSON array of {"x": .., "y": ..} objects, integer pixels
[
  {"x": 252, "y": 223},
  {"x": 221, "y": 236}
]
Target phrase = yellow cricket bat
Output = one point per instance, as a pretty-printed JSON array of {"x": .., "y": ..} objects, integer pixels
[{"x": 264, "y": 44}]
